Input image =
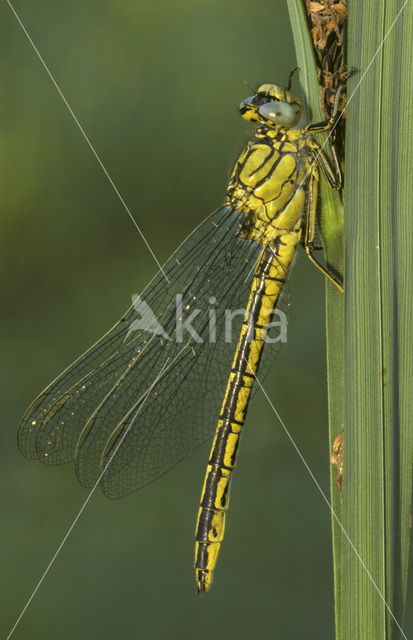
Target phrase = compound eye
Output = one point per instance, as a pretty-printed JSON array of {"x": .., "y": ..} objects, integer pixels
[
  {"x": 280, "y": 113},
  {"x": 261, "y": 98}
]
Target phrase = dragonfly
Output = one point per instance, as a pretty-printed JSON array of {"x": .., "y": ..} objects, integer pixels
[{"x": 170, "y": 374}]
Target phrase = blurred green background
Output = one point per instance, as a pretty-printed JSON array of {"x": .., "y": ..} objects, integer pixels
[{"x": 156, "y": 87}]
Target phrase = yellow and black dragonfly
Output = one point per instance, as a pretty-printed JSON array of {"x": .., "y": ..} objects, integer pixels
[{"x": 181, "y": 363}]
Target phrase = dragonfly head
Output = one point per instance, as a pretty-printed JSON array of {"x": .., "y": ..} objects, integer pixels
[{"x": 273, "y": 106}]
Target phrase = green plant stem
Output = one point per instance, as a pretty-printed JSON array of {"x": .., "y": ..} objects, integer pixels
[{"x": 378, "y": 445}]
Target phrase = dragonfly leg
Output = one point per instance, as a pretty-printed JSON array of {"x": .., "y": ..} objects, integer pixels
[
  {"x": 329, "y": 166},
  {"x": 309, "y": 235},
  {"x": 315, "y": 247},
  {"x": 332, "y": 172},
  {"x": 329, "y": 123}
]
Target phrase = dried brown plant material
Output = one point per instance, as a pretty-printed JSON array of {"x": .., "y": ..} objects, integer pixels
[
  {"x": 337, "y": 461},
  {"x": 326, "y": 17}
]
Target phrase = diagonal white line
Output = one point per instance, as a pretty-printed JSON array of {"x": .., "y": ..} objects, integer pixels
[
  {"x": 125, "y": 206},
  {"x": 335, "y": 124},
  {"x": 59, "y": 548},
  {"x": 303, "y": 460},
  {"x": 377, "y": 52}
]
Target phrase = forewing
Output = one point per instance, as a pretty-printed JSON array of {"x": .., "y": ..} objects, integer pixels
[
  {"x": 51, "y": 426},
  {"x": 148, "y": 397}
]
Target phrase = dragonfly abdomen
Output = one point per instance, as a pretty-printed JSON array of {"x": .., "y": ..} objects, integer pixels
[{"x": 269, "y": 279}]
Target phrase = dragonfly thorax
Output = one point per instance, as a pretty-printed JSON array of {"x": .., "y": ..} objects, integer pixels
[{"x": 268, "y": 182}]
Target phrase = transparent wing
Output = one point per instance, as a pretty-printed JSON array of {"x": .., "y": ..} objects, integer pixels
[{"x": 152, "y": 392}]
